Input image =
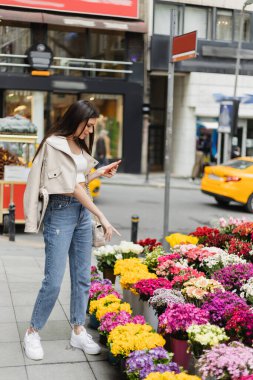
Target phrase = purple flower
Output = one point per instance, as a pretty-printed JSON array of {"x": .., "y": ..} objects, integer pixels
[
  {"x": 221, "y": 306},
  {"x": 140, "y": 363},
  {"x": 234, "y": 276},
  {"x": 226, "y": 362}
]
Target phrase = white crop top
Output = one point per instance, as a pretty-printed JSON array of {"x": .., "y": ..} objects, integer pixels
[{"x": 81, "y": 166}]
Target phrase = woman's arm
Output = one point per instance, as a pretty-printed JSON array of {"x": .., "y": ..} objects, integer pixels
[
  {"x": 105, "y": 171},
  {"x": 81, "y": 195}
]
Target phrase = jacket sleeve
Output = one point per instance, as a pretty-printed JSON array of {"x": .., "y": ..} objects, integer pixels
[{"x": 31, "y": 195}]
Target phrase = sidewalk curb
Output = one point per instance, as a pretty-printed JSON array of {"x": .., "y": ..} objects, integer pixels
[{"x": 158, "y": 185}]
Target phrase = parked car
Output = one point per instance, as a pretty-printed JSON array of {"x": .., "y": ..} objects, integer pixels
[{"x": 231, "y": 181}]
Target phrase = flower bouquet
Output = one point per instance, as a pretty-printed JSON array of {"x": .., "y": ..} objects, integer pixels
[
  {"x": 151, "y": 258},
  {"x": 240, "y": 326},
  {"x": 211, "y": 237},
  {"x": 107, "y": 304},
  {"x": 141, "y": 363},
  {"x": 100, "y": 289},
  {"x": 221, "y": 305},
  {"x": 241, "y": 248},
  {"x": 250, "y": 377},
  {"x": 129, "y": 265},
  {"x": 131, "y": 337},
  {"x": 149, "y": 245},
  {"x": 106, "y": 258},
  {"x": 145, "y": 288},
  {"x": 226, "y": 226},
  {"x": 218, "y": 261},
  {"x": 113, "y": 319},
  {"x": 171, "y": 376},
  {"x": 196, "y": 289},
  {"x": 177, "y": 318},
  {"x": 203, "y": 337},
  {"x": 162, "y": 298},
  {"x": 196, "y": 255},
  {"x": 225, "y": 362},
  {"x": 233, "y": 277},
  {"x": 168, "y": 266},
  {"x": 247, "y": 291},
  {"x": 177, "y": 239},
  {"x": 185, "y": 275},
  {"x": 244, "y": 230},
  {"x": 129, "y": 249}
]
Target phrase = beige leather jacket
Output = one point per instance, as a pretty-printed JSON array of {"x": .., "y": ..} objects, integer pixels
[{"x": 53, "y": 172}]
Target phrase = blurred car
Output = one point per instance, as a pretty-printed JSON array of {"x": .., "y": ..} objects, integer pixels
[
  {"x": 231, "y": 181},
  {"x": 95, "y": 186}
]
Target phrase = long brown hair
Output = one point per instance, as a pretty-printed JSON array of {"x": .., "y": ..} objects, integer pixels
[{"x": 79, "y": 111}]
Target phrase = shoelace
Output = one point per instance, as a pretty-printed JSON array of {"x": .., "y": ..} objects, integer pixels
[{"x": 90, "y": 340}]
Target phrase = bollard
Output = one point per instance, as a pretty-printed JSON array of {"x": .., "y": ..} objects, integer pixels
[
  {"x": 12, "y": 228},
  {"x": 134, "y": 229}
]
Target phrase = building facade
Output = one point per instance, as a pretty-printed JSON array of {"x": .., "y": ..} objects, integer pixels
[
  {"x": 196, "y": 81},
  {"x": 97, "y": 55}
]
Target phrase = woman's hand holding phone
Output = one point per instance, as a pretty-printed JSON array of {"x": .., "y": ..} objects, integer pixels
[{"x": 109, "y": 170}]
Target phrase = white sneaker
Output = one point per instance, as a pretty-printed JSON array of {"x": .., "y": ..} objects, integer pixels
[
  {"x": 32, "y": 346},
  {"x": 85, "y": 342}
]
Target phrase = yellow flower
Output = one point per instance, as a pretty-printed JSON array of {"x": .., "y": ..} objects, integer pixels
[
  {"x": 170, "y": 376},
  {"x": 130, "y": 278},
  {"x": 131, "y": 337},
  {"x": 108, "y": 304},
  {"x": 177, "y": 239},
  {"x": 128, "y": 265}
]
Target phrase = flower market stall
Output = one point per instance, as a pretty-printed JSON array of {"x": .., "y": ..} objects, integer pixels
[{"x": 186, "y": 313}]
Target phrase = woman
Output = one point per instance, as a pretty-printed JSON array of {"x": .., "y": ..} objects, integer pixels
[{"x": 56, "y": 192}]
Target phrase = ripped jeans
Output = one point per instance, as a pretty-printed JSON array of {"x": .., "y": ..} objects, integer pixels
[{"x": 67, "y": 232}]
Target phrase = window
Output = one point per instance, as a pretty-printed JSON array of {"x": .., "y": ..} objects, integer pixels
[
  {"x": 196, "y": 19},
  {"x": 246, "y": 27},
  {"x": 239, "y": 164},
  {"x": 67, "y": 42},
  {"x": 224, "y": 25},
  {"x": 107, "y": 45},
  {"x": 162, "y": 19},
  {"x": 14, "y": 39}
]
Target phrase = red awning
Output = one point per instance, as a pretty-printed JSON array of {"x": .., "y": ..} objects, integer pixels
[{"x": 72, "y": 21}]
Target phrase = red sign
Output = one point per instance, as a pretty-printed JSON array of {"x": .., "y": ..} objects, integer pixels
[
  {"x": 184, "y": 47},
  {"x": 113, "y": 8}
]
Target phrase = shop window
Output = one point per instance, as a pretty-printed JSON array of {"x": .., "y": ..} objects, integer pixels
[
  {"x": 162, "y": 19},
  {"x": 14, "y": 39},
  {"x": 196, "y": 18},
  {"x": 109, "y": 126},
  {"x": 66, "y": 42},
  {"x": 246, "y": 27},
  {"x": 224, "y": 25}
]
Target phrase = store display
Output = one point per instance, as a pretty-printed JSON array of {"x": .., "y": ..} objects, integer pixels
[{"x": 6, "y": 158}]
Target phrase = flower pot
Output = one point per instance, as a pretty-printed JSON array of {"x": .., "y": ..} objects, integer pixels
[
  {"x": 103, "y": 339},
  {"x": 109, "y": 274},
  {"x": 94, "y": 322},
  {"x": 137, "y": 305},
  {"x": 149, "y": 315},
  {"x": 126, "y": 295},
  {"x": 113, "y": 360},
  {"x": 179, "y": 349}
]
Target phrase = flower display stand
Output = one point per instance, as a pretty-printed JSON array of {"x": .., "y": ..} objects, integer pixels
[
  {"x": 149, "y": 315},
  {"x": 179, "y": 348},
  {"x": 94, "y": 322},
  {"x": 126, "y": 295},
  {"x": 137, "y": 305},
  {"x": 109, "y": 274}
]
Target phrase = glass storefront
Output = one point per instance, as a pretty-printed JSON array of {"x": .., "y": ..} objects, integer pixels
[{"x": 109, "y": 124}]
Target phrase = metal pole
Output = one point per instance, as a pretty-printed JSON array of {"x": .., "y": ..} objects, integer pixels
[
  {"x": 169, "y": 127},
  {"x": 219, "y": 148},
  {"x": 238, "y": 53}
]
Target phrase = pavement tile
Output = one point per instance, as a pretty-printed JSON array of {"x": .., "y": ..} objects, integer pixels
[
  {"x": 54, "y": 330},
  {"x": 11, "y": 355},
  {"x": 8, "y": 333},
  {"x": 25, "y": 277},
  {"x": 58, "y": 351},
  {"x": 25, "y": 287},
  {"x": 24, "y": 299},
  {"x": 23, "y": 313},
  {"x": 7, "y": 314},
  {"x": 13, "y": 373},
  {"x": 2, "y": 270},
  {"x": 11, "y": 261},
  {"x": 3, "y": 278},
  {"x": 5, "y": 297},
  {"x": 105, "y": 371},
  {"x": 75, "y": 371},
  {"x": 24, "y": 270}
]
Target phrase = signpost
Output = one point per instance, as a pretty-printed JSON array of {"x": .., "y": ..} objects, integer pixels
[{"x": 181, "y": 48}]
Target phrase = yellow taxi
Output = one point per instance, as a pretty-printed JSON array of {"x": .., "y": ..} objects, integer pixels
[
  {"x": 231, "y": 181},
  {"x": 95, "y": 186}
]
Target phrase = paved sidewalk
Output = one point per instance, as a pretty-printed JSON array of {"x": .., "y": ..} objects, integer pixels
[
  {"x": 154, "y": 180},
  {"x": 21, "y": 272}
]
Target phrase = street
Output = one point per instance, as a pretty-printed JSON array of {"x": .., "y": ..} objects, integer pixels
[{"x": 188, "y": 209}]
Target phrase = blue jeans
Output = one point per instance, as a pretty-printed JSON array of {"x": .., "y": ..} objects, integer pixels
[{"x": 67, "y": 232}]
